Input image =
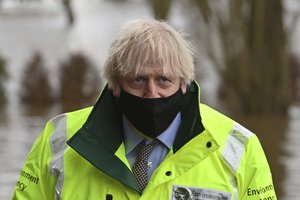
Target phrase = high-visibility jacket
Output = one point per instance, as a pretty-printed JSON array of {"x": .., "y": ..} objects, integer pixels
[{"x": 81, "y": 155}]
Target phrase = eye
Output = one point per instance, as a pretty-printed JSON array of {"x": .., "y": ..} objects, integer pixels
[
  {"x": 138, "y": 82},
  {"x": 164, "y": 79},
  {"x": 164, "y": 82}
]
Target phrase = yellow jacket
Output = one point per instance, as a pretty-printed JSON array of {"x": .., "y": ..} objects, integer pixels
[{"x": 81, "y": 155}]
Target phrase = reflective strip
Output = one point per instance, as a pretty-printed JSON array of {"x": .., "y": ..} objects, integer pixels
[
  {"x": 235, "y": 146},
  {"x": 234, "y": 185},
  {"x": 58, "y": 145},
  {"x": 234, "y": 150}
]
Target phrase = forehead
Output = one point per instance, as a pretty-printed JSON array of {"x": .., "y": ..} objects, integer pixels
[{"x": 153, "y": 70}]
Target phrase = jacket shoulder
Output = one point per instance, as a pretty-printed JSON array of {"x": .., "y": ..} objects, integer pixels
[
  {"x": 216, "y": 123},
  {"x": 70, "y": 121}
]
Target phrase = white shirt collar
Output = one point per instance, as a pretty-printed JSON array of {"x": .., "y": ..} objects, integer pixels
[{"x": 131, "y": 138}]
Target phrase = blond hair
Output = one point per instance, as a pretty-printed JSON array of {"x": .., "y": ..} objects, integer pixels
[{"x": 142, "y": 43}]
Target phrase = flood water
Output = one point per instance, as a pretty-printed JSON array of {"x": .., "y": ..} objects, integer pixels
[{"x": 44, "y": 29}]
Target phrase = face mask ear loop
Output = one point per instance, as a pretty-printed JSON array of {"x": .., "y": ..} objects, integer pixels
[
  {"x": 120, "y": 93},
  {"x": 181, "y": 103},
  {"x": 117, "y": 99},
  {"x": 182, "y": 98}
]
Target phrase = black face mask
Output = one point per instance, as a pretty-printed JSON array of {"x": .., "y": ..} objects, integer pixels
[{"x": 150, "y": 116}]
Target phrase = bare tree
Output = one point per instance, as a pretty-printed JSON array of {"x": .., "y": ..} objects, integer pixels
[
  {"x": 160, "y": 8},
  {"x": 247, "y": 42},
  {"x": 79, "y": 82},
  {"x": 3, "y": 76},
  {"x": 36, "y": 90},
  {"x": 69, "y": 11}
]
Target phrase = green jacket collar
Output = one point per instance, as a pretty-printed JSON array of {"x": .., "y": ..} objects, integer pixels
[{"x": 102, "y": 134}]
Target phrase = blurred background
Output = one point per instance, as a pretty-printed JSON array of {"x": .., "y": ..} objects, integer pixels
[{"x": 247, "y": 64}]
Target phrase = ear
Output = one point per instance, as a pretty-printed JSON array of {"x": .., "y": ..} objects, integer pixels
[{"x": 183, "y": 87}]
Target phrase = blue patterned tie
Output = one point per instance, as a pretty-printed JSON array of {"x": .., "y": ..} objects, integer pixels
[{"x": 140, "y": 167}]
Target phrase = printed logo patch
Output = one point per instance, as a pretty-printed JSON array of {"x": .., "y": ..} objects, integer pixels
[{"x": 192, "y": 193}]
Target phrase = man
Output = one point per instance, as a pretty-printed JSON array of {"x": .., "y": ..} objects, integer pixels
[{"x": 148, "y": 136}]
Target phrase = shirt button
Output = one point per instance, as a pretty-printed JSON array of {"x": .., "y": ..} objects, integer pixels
[{"x": 150, "y": 165}]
